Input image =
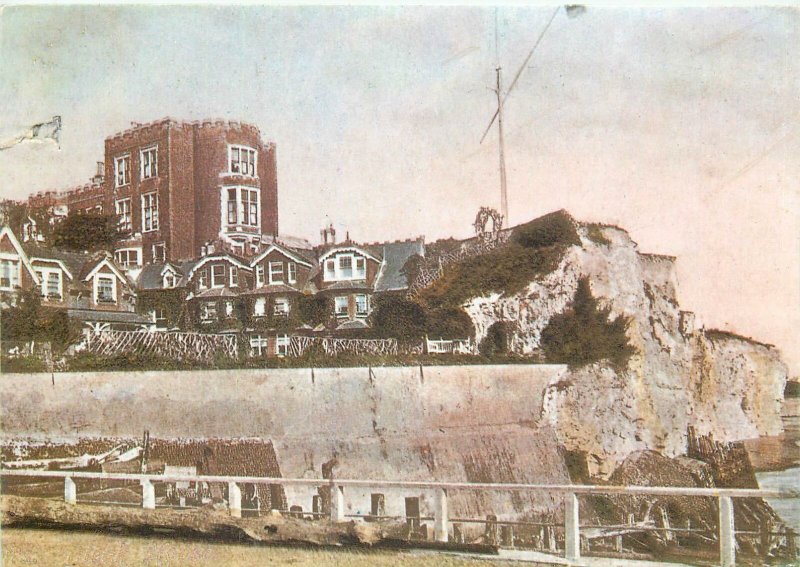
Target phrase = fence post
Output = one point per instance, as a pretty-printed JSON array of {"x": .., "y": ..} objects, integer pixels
[
  {"x": 70, "y": 491},
  {"x": 572, "y": 533},
  {"x": 440, "y": 527},
  {"x": 235, "y": 499},
  {"x": 727, "y": 537},
  {"x": 148, "y": 495},
  {"x": 337, "y": 503}
]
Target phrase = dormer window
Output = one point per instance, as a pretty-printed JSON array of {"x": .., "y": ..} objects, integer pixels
[
  {"x": 361, "y": 268},
  {"x": 242, "y": 160},
  {"x": 50, "y": 286},
  {"x": 291, "y": 269},
  {"x": 170, "y": 280},
  {"x": 259, "y": 275},
  {"x": 203, "y": 279},
  {"x": 234, "y": 276},
  {"x": 104, "y": 289},
  {"x": 275, "y": 272},
  {"x": 218, "y": 276},
  {"x": 330, "y": 270},
  {"x": 346, "y": 266}
]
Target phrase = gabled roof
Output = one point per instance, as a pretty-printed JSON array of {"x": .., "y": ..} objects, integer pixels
[
  {"x": 218, "y": 256},
  {"x": 349, "y": 248},
  {"x": 5, "y": 231},
  {"x": 285, "y": 251},
  {"x": 151, "y": 276},
  {"x": 71, "y": 262},
  {"x": 93, "y": 267}
]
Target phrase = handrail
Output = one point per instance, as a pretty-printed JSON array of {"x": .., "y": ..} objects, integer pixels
[{"x": 432, "y": 485}]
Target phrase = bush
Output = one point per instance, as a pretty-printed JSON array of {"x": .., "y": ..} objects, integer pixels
[
  {"x": 84, "y": 231},
  {"x": 585, "y": 334},
  {"x": 449, "y": 323},
  {"x": 396, "y": 316},
  {"x": 552, "y": 229},
  {"x": 315, "y": 309},
  {"x": 496, "y": 341}
]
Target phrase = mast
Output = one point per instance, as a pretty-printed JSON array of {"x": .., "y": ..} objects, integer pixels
[{"x": 503, "y": 182}]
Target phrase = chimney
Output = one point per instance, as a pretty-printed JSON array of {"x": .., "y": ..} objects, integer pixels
[{"x": 101, "y": 173}]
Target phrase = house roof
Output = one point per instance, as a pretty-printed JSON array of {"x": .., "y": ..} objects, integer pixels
[
  {"x": 92, "y": 315},
  {"x": 216, "y": 292},
  {"x": 72, "y": 261},
  {"x": 271, "y": 289},
  {"x": 348, "y": 285},
  {"x": 151, "y": 276},
  {"x": 289, "y": 253},
  {"x": 370, "y": 252},
  {"x": 5, "y": 231},
  {"x": 352, "y": 324},
  {"x": 230, "y": 258},
  {"x": 395, "y": 256}
]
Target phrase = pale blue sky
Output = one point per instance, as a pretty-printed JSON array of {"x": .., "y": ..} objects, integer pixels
[{"x": 679, "y": 125}]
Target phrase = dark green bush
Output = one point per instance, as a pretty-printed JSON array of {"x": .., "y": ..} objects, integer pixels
[
  {"x": 396, "y": 316},
  {"x": 449, "y": 323},
  {"x": 496, "y": 341},
  {"x": 585, "y": 333},
  {"x": 315, "y": 309},
  {"x": 83, "y": 231},
  {"x": 552, "y": 229}
]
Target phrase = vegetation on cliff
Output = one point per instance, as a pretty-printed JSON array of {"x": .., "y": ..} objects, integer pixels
[{"x": 586, "y": 333}]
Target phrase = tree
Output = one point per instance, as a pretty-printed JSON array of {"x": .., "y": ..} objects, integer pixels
[
  {"x": 496, "y": 340},
  {"x": 315, "y": 309},
  {"x": 398, "y": 317},
  {"x": 449, "y": 323},
  {"x": 85, "y": 231},
  {"x": 585, "y": 333}
]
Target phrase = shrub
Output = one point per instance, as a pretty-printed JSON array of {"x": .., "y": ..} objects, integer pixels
[
  {"x": 315, "y": 309},
  {"x": 449, "y": 323},
  {"x": 496, "y": 341},
  {"x": 83, "y": 231},
  {"x": 552, "y": 229},
  {"x": 585, "y": 334},
  {"x": 396, "y": 316}
]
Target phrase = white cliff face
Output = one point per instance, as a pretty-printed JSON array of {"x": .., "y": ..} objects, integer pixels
[{"x": 721, "y": 384}]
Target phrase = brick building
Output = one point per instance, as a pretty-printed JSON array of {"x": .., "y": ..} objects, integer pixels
[{"x": 176, "y": 186}]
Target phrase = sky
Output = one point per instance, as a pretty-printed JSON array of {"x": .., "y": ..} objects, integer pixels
[{"x": 680, "y": 125}]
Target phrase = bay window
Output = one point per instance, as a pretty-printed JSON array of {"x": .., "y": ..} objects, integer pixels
[{"x": 242, "y": 206}]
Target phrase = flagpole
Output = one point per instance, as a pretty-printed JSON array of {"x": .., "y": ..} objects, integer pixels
[{"x": 503, "y": 181}]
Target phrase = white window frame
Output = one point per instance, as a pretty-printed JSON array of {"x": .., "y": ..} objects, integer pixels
[
  {"x": 273, "y": 272},
  {"x": 234, "y": 271},
  {"x": 150, "y": 200},
  {"x": 208, "y": 311},
  {"x": 291, "y": 272},
  {"x": 148, "y": 170},
  {"x": 14, "y": 272},
  {"x": 122, "y": 170},
  {"x": 238, "y": 166},
  {"x": 124, "y": 212},
  {"x": 330, "y": 269},
  {"x": 360, "y": 273},
  {"x": 96, "y": 286},
  {"x": 127, "y": 264},
  {"x": 282, "y": 343},
  {"x": 338, "y": 301},
  {"x": 259, "y": 275},
  {"x": 170, "y": 280},
  {"x": 221, "y": 277},
  {"x": 260, "y": 307},
  {"x": 358, "y": 267},
  {"x": 365, "y": 312},
  {"x": 202, "y": 279},
  {"x": 280, "y": 306},
  {"x": 245, "y": 210},
  {"x": 44, "y": 276}
]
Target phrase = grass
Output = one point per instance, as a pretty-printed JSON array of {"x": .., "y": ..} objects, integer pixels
[{"x": 72, "y": 548}]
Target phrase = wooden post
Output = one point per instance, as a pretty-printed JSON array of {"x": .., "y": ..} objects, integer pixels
[
  {"x": 507, "y": 535},
  {"x": 337, "y": 503},
  {"x": 148, "y": 495},
  {"x": 727, "y": 536},
  {"x": 70, "y": 491},
  {"x": 440, "y": 527},
  {"x": 572, "y": 534},
  {"x": 235, "y": 499}
]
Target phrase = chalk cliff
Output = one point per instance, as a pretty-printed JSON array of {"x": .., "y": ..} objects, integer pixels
[{"x": 682, "y": 374}]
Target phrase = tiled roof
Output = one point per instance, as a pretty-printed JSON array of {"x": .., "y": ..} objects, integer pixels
[
  {"x": 108, "y": 316},
  {"x": 74, "y": 261},
  {"x": 217, "y": 292},
  {"x": 395, "y": 256},
  {"x": 270, "y": 289}
]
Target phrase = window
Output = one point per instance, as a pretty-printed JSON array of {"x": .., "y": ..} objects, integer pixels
[
  {"x": 228, "y": 308},
  {"x": 260, "y": 275},
  {"x": 122, "y": 170},
  {"x": 330, "y": 270},
  {"x": 258, "y": 345},
  {"x": 292, "y": 271},
  {"x": 170, "y": 280},
  {"x": 149, "y": 212},
  {"x": 362, "y": 305},
  {"x": 159, "y": 317},
  {"x": 275, "y": 272},
  {"x": 346, "y": 266},
  {"x": 242, "y": 160},
  {"x": 208, "y": 311},
  {"x": 128, "y": 257},
  {"x": 149, "y": 162},
  {"x": 105, "y": 291},
  {"x": 234, "y": 276},
  {"x": 203, "y": 279},
  {"x": 123, "y": 210},
  {"x": 232, "y": 209},
  {"x": 218, "y": 275},
  {"x": 242, "y": 206},
  {"x": 361, "y": 268},
  {"x": 260, "y": 307},
  {"x": 9, "y": 274},
  {"x": 159, "y": 253},
  {"x": 280, "y": 306},
  {"x": 50, "y": 283},
  {"x": 341, "y": 306},
  {"x": 282, "y": 345}
]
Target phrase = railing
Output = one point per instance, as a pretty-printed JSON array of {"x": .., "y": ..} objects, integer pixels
[{"x": 725, "y": 496}]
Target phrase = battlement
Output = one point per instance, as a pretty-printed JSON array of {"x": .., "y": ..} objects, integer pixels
[{"x": 157, "y": 127}]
